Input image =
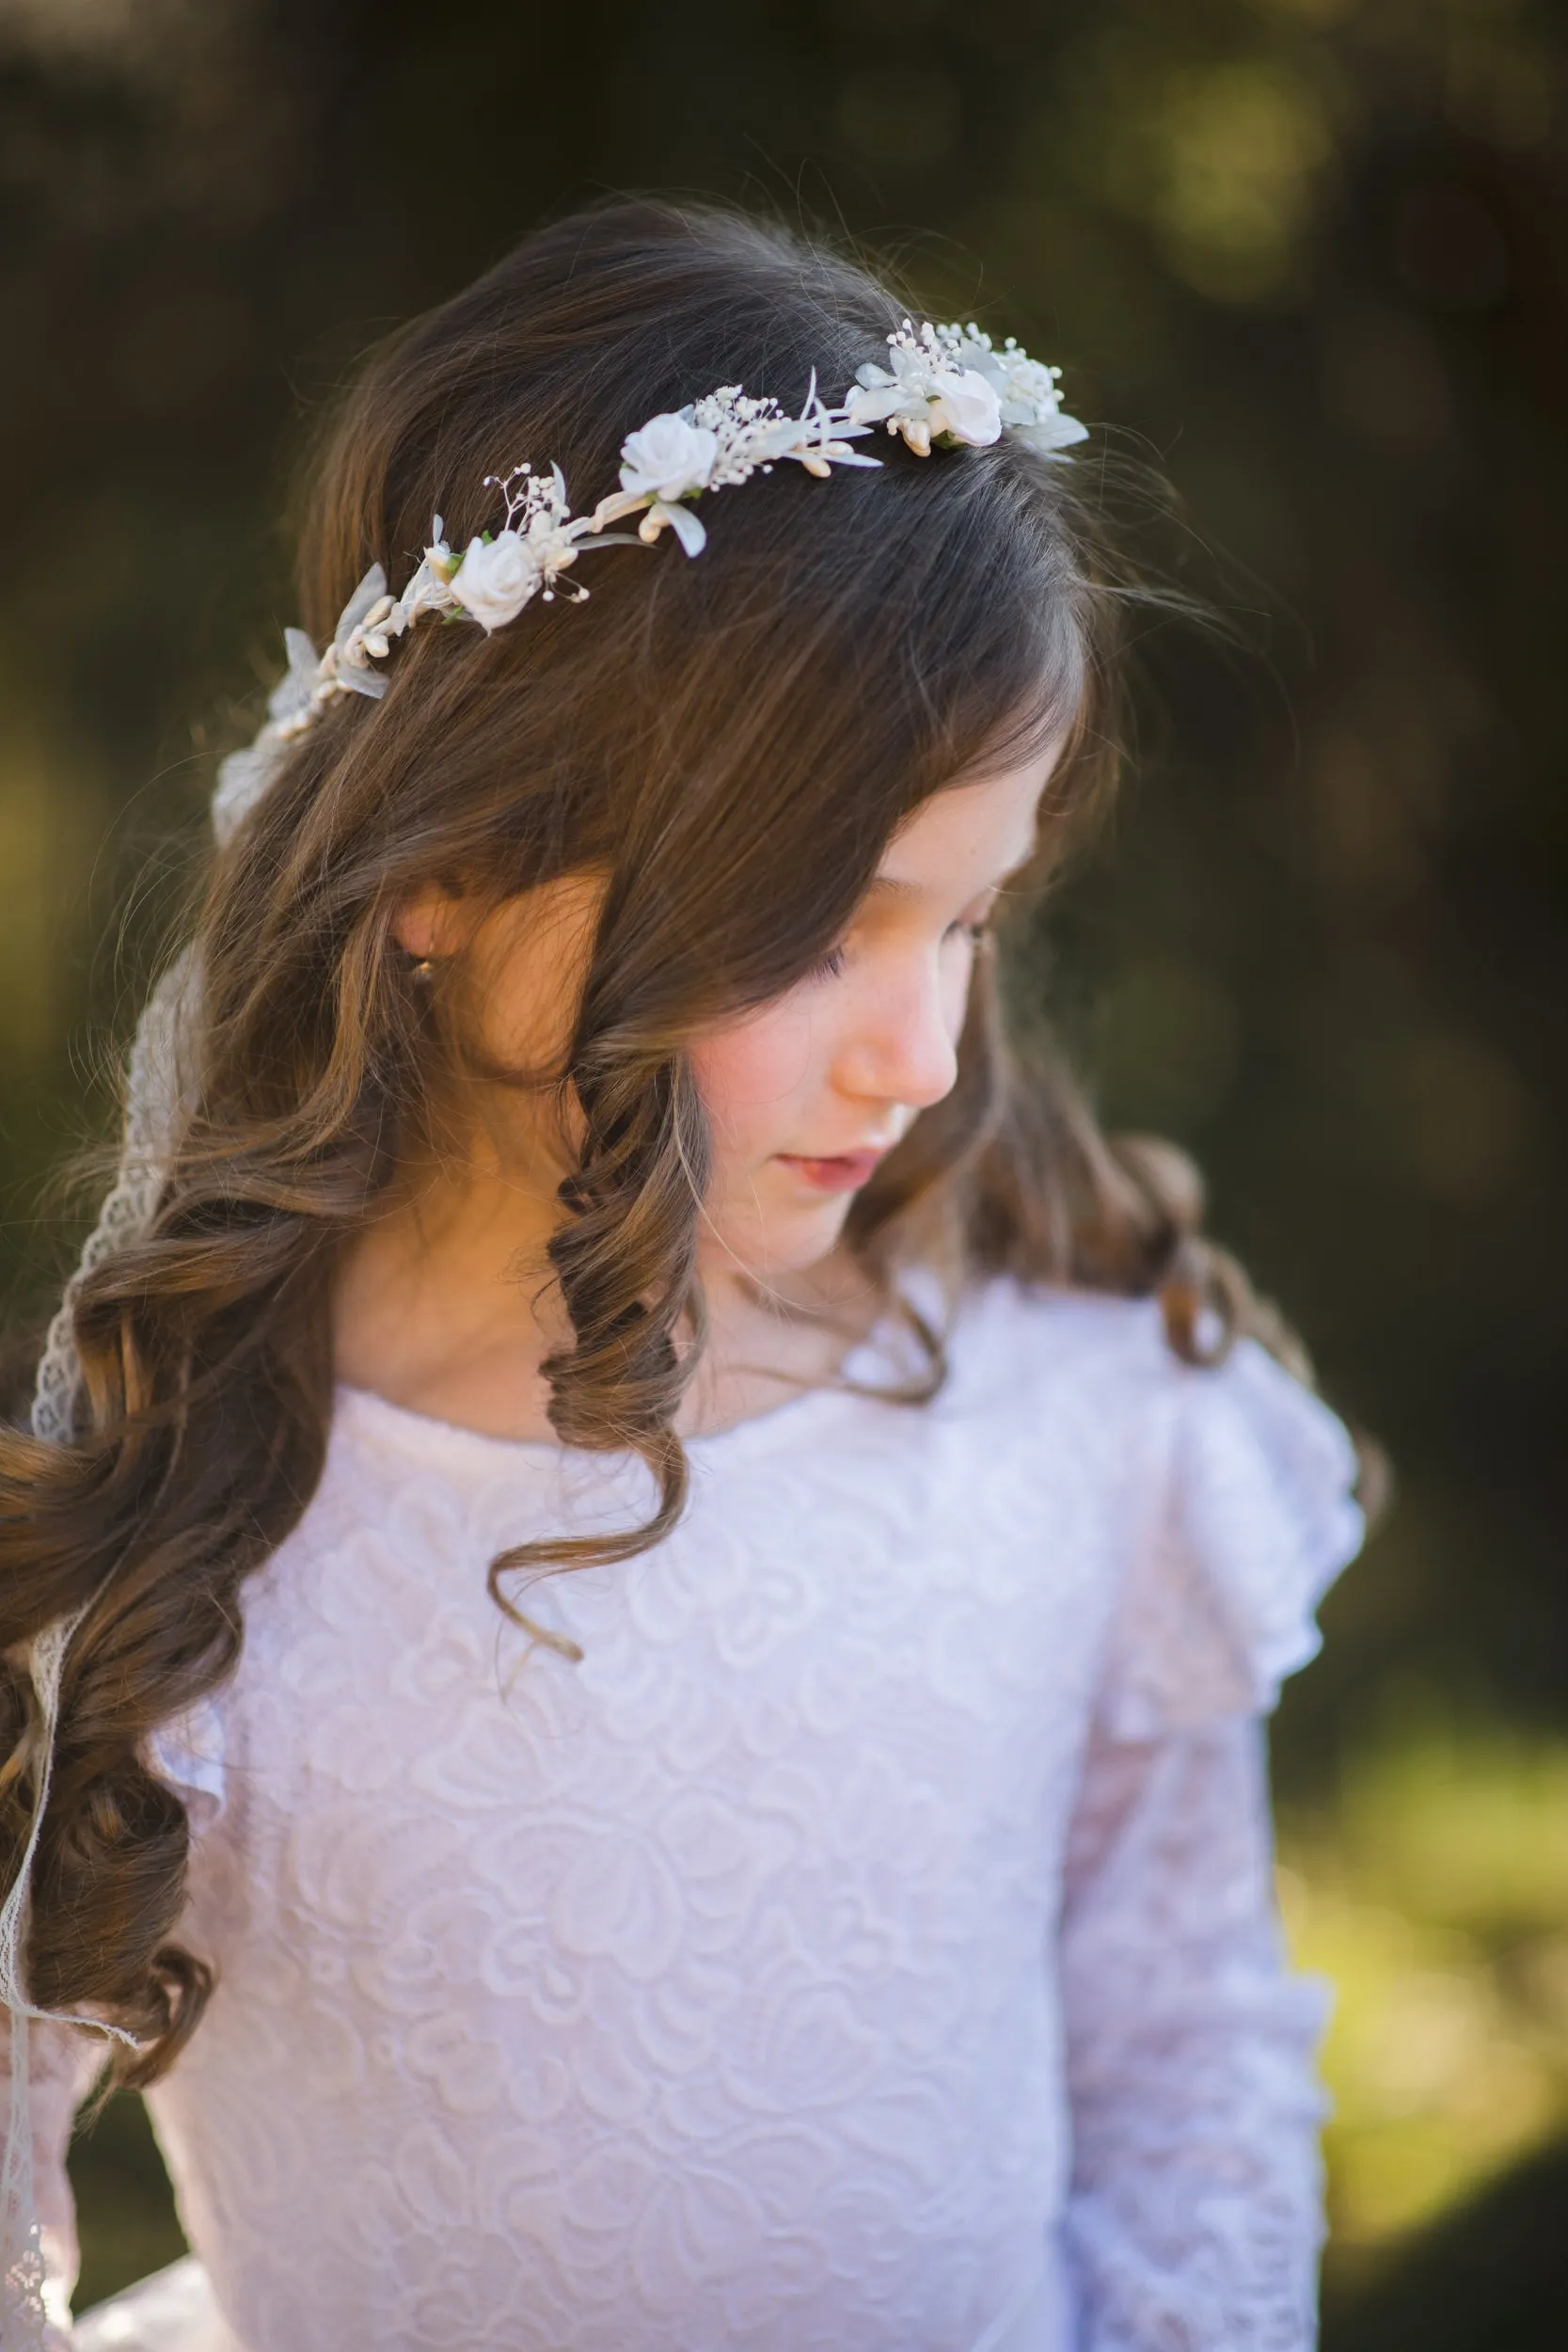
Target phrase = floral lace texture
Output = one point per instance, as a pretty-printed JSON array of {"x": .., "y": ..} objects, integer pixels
[{"x": 876, "y": 1923}]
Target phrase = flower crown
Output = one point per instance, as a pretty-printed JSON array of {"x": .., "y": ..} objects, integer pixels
[{"x": 942, "y": 386}]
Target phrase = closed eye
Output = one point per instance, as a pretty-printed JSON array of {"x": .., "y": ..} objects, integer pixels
[{"x": 976, "y": 930}]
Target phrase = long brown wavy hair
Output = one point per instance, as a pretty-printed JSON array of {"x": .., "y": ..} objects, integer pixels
[{"x": 729, "y": 744}]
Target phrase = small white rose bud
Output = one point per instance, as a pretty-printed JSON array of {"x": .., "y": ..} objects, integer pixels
[
  {"x": 968, "y": 409},
  {"x": 495, "y": 581},
  {"x": 668, "y": 457}
]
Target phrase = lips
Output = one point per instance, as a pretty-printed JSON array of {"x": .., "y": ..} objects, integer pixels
[{"x": 841, "y": 1171}]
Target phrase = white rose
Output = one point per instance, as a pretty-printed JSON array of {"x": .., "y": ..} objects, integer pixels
[
  {"x": 495, "y": 582},
  {"x": 969, "y": 409},
  {"x": 667, "y": 457}
]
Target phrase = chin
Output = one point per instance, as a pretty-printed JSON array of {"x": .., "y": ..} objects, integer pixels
[{"x": 790, "y": 1242}]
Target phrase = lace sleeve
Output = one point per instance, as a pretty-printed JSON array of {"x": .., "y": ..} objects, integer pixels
[
  {"x": 62, "y": 2064},
  {"x": 1194, "y": 2217},
  {"x": 46, "y": 2067},
  {"x": 1193, "y": 2220}
]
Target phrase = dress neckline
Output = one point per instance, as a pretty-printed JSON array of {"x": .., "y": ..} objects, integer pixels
[{"x": 435, "y": 1437}]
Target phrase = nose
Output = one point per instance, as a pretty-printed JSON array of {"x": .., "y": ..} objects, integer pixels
[{"x": 901, "y": 1048}]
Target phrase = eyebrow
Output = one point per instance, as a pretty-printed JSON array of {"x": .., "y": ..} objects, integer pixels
[{"x": 892, "y": 886}]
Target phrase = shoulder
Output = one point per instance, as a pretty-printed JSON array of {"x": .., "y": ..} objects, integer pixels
[
  {"x": 1035, "y": 1359},
  {"x": 1235, "y": 1487},
  {"x": 1007, "y": 1331}
]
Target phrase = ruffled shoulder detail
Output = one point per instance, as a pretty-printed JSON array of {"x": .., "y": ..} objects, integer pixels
[
  {"x": 189, "y": 1752},
  {"x": 1256, "y": 1519}
]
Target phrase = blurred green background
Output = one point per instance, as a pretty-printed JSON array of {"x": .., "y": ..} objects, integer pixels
[{"x": 1314, "y": 253}]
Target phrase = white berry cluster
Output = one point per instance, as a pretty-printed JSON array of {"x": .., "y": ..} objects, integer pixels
[{"x": 950, "y": 384}]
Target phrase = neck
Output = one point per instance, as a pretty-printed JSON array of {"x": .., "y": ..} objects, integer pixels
[{"x": 446, "y": 1303}]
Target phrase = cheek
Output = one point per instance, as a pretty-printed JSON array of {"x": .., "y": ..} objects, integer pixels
[
  {"x": 526, "y": 967},
  {"x": 755, "y": 1076}
]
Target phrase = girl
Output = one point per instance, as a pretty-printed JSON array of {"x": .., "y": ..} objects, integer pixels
[{"x": 666, "y": 1572}]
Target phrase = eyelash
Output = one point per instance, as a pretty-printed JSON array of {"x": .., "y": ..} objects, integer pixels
[{"x": 828, "y": 967}]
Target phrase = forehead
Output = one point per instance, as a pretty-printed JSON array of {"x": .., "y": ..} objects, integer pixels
[{"x": 970, "y": 834}]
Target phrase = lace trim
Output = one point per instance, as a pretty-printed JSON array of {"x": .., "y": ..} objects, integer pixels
[{"x": 151, "y": 1105}]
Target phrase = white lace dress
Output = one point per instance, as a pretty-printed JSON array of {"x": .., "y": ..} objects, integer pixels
[{"x": 869, "y": 1947}]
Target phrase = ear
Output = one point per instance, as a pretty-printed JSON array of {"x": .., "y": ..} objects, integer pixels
[{"x": 430, "y": 923}]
